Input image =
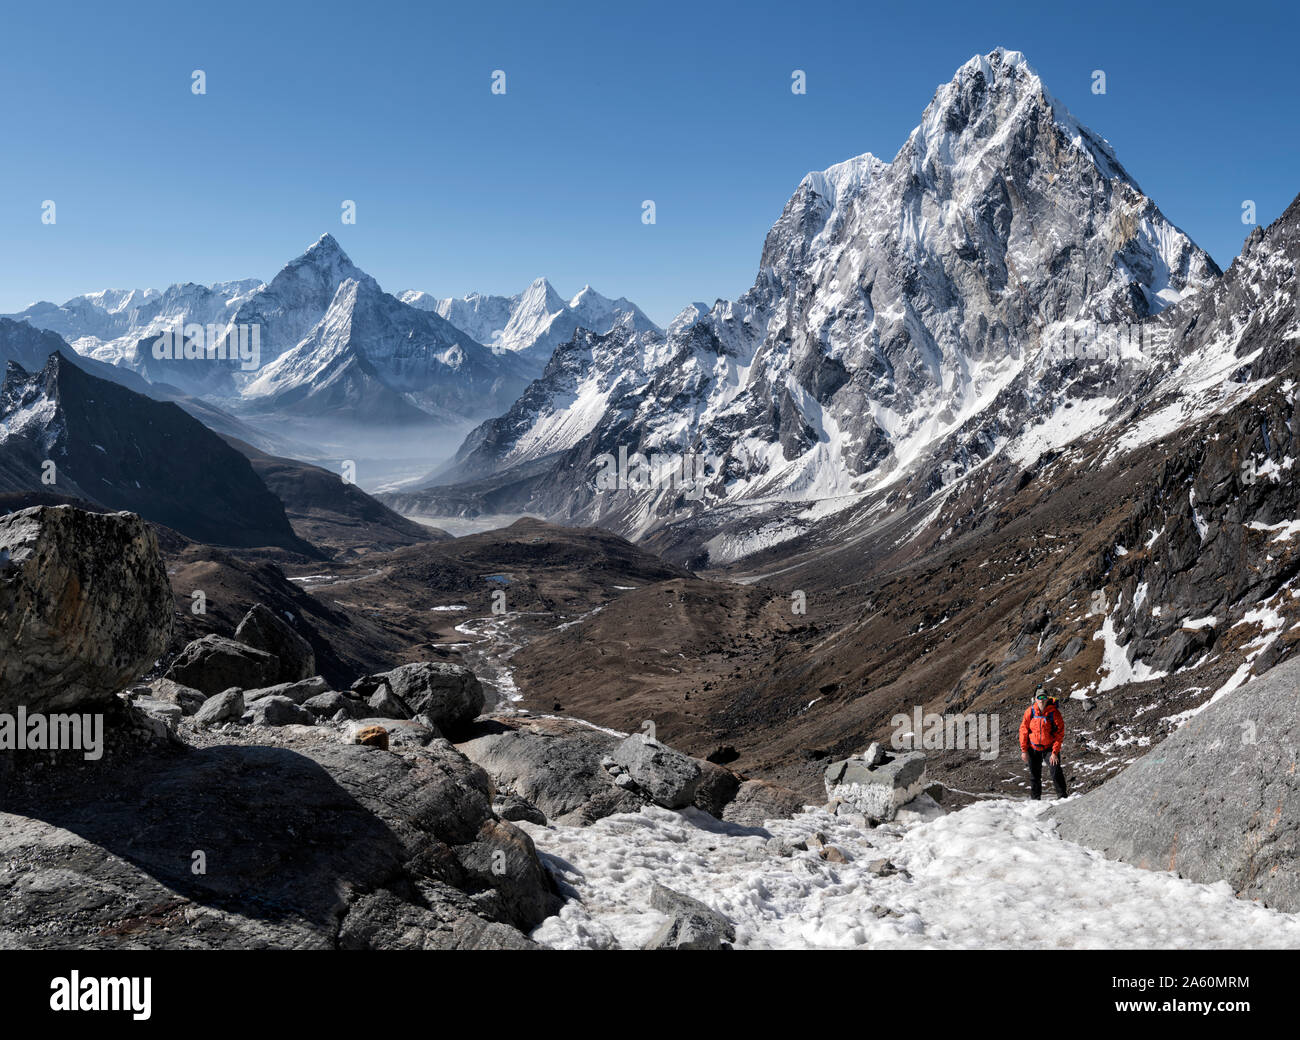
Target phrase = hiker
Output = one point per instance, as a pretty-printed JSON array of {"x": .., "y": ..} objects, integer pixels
[{"x": 1042, "y": 731}]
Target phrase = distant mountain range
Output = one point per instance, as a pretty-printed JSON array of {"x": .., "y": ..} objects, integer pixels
[
  {"x": 533, "y": 323},
  {"x": 339, "y": 367},
  {"x": 332, "y": 346},
  {"x": 66, "y": 432}
]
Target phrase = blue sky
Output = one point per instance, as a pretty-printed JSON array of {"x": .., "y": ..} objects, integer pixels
[{"x": 606, "y": 105}]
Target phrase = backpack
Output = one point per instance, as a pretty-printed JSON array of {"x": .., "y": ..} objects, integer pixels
[{"x": 1051, "y": 723}]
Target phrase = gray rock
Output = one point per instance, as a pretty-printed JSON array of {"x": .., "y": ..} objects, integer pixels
[
  {"x": 780, "y": 847},
  {"x": 307, "y": 845},
  {"x": 758, "y": 801},
  {"x": 692, "y": 925},
  {"x": 168, "y": 713},
  {"x": 554, "y": 764},
  {"x": 514, "y": 808},
  {"x": 1073, "y": 648},
  {"x": 226, "y": 706},
  {"x": 449, "y": 694},
  {"x": 85, "y": 606},
  {"x": 876, "y": 792},
  {"x": 1218, "y": 800},
  {"x": 472, "y": 933},
  {"x": 384, "y": 704},
  {"x": 214, "y": 663},
  {"x": 146, "y": 728},
  {"x": 298, "y": 692},
  {"x": 186, "y": 698},
  {"x": 264, "y": 629},
  {"x": 669, "y": 778},
  {"x": 874, "y": 755},
  {"x": 329, "y": 705},
  {"x": 277, "y": 711}
]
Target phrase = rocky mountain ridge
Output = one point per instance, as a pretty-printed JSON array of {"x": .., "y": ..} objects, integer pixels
[{"x": 897, "y": 305}]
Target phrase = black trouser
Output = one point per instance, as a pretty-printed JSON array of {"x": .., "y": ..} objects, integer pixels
[{"x": 1036, "y": 774}]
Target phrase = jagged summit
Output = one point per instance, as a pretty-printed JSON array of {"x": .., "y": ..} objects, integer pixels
[
  {"x": 995, "y": 94},
  {"x": 532, "y": 323}
]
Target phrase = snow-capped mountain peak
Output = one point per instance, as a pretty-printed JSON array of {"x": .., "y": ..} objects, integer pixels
[
  {"x": 531, "y": 324},
  {"x": 373, "y": 358},
  {"x": 896, "y": 304},
  {"x": 325, "y": 261}
]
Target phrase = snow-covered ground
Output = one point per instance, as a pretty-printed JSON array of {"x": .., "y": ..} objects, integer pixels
[{"x": 993, "y": 874}]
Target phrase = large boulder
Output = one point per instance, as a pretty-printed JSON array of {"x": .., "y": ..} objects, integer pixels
[
  {"x": 277, "y": 711},
  {"x": 554, "y": 764},
  {"x": 85, "y": 606},
  {"x": 214, "y": 663},
  {"x": 327, "y": 705},
  {"x": 669, "y": 778},
  {"x": 299, "y": 692},
  {"x": 309, "y": 844},
  {"x": 717, "y": 788},
  {"x": 264, "y": 629},
  {"x": 877, "y": 784},
  {"x": 1218, "y": 800},
  {"x": 451, "y": 696},
  {"x": 758, "y": 801}
]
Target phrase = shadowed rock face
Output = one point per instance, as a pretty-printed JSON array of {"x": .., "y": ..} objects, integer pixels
[
  {"x": 373, "y": 850},
  {"x": 264, "y": 630},
  {"x": 214, "y": 663},
  {"x": 122, "y": 450},
  {"x": 85, "y": 606},
  {"x": 1218, "y": 800}
]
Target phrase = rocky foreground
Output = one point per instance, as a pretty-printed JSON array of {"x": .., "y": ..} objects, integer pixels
[{"x": 238, "y": 801}]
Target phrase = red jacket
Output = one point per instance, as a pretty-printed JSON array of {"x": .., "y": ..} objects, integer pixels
[{"x": 1042, "y": 730}]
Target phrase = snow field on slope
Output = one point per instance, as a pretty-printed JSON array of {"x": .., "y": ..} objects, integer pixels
[{"x": 991, "y": 875}]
